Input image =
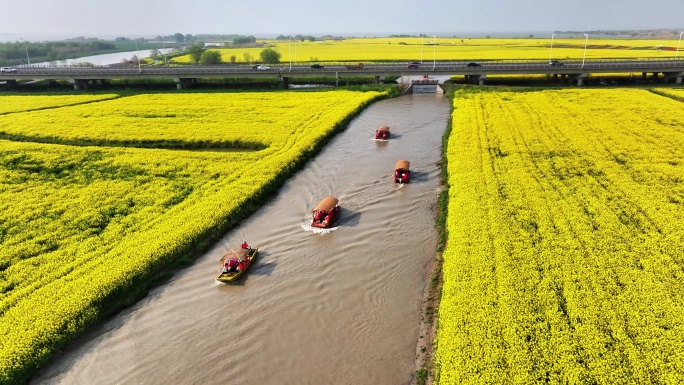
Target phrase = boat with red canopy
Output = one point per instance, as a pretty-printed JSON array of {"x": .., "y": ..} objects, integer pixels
[
  {"x": 325, "y": 212},
  {"x": 402, "y": 172},
  {"x": 383, "y": 132},
  {"x": 235, "y": 262}
]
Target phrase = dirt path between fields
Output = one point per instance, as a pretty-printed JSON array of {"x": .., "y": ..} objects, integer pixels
[{"x": 424, "y": 371}]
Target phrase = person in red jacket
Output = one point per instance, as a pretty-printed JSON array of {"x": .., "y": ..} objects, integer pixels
[{"x": 230, "y": 265}]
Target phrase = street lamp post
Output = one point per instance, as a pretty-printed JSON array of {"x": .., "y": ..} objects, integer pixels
[
  {"x": 586, "y": 39},
  {"x": 551, "y": 50},
  {"x": 166, "y": 62},
  {"x": 295, "y": 51},
  {"x": 421, "y": 48},
  {"x": 434, "y": 53},
  {"x": 137, "y": 52},
  {"x": 26, "y": 49},
  {"x": 289, "y": 51},
  {"x": 680, "y": 40}
]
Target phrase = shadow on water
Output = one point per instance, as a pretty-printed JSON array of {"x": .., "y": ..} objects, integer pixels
[
  {"x": 348, "y": 218},
  {"x": 419, "y": 176},
  {"x": 264, "y": 269}
]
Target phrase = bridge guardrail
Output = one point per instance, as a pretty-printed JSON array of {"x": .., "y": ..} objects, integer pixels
[{"x": 369, "y": 69}]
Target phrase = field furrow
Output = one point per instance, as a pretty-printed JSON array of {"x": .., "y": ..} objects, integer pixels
[{"x": 14, "y": 104}]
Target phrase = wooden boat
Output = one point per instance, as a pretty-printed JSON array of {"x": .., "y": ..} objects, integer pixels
[
  {"x": 402, "y": 172},
  {"x": 243, "y": 257},
  {"x": 383, "y": 132},
  {"x": 325, "y": 212}
]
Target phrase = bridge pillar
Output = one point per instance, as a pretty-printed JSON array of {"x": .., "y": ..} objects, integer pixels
[
  {"x": 285, "y": 82},
  {"x": 79, "y": 84},
  {"x": 11, "y": 83},
  {"x": 580, "y": 78},
  {"x": 481, "y": 79},
  {"x": 180, "y": 83},
  {"x": 183, "y": 83},
  {"x": 472, "y": 79},
  {"x": 643, "y": 75},
  {"x": 676, "y": 76}
]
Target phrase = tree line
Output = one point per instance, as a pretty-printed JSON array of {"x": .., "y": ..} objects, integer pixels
[
  {"x": 189, "y": 38},
  {"x": 52, "y": 50},
  {"x": 201, "y": 55},
  {"x": 296, "y": 37}
]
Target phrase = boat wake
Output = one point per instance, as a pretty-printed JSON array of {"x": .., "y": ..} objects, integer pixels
[
  {"x": 317, "y": 230},
  {"x": 401, "y": 185},
  {"x": 380, "y": 140}
]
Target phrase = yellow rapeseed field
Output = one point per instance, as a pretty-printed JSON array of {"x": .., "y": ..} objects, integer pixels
[
  {"x": 565, "y": 257},
  {"x": 12, "y": 104},
  {"x": 451, "y": 48},
  {"x": 676, "y": 93},
  {"x": 82, "y": 223}
]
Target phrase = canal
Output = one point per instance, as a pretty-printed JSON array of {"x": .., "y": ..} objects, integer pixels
[{"x": 103, "y": 59}]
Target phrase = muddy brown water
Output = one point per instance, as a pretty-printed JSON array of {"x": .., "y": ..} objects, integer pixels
[{"x": 326, "y": 307}]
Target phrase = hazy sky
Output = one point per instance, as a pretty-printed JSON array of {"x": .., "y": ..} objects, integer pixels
[{"x": 26, "y": 18}]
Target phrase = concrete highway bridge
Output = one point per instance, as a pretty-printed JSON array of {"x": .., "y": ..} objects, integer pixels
[{"x": 474, "y": 72}]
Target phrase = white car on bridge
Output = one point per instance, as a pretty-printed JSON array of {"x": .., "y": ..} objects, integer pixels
[{"x": 8, "y": 70}]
